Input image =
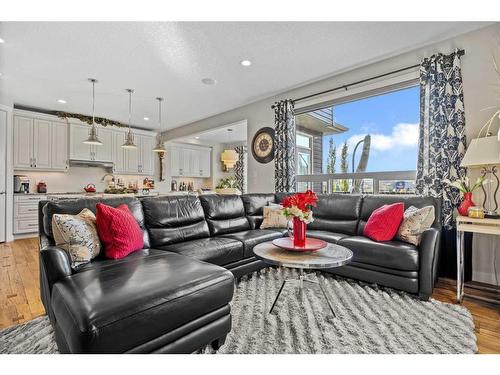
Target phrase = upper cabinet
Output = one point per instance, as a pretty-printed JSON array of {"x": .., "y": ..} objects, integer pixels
[
  {"x": 60, "y": 145},
  {"x": 40, "y": 144},
  {"x": 81, "y": 151},
  {"x": 190, "y": 161}
]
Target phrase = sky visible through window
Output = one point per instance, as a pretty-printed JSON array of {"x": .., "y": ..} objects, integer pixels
[{"x": 391, "y": 119}]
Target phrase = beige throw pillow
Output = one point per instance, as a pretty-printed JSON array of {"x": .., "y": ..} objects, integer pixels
[
  {"x": 415, "y": 222},
  {"x": 77, "y": 234},
  {"x": 273, "y": 217}
]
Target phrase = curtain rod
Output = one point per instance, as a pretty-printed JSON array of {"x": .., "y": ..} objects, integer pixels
[{"x": 460, "y": 52}]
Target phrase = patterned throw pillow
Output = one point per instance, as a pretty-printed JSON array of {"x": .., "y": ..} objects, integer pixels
[
  {"x": 273, "y": 217},
  {"x": 415, "y": 222},
  {"x": 77, "y": 234}
]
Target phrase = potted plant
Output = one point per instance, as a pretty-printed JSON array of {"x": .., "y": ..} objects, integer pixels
[
  {"x": 227, "y": 186},
  {"x": 298, "y": 209},
  {"x": 463, "y": 184}
]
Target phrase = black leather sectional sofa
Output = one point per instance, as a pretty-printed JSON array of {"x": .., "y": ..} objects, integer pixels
[{"x": 173, "y": 296}]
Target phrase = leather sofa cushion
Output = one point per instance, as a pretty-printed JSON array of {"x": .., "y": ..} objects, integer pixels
[
  {"x": 102, "y": 262},
  {"x": 331, "y": 237},
  {"x": 74, "y": 206},
  {"x": 281, "y": 196},
  {"x": 336, "y": 213},
  {"x": 254, "y": 203},
  {"x": 250, "y": 238},
  {"x": 224, "y": 214},
  {"x": 391, "y": 254},
  {"x": 174, "y": 219},
  {"x": 216, "y": 250},
  {"x": 372, "y": 202},
  {"x": 116, "y": 308}
]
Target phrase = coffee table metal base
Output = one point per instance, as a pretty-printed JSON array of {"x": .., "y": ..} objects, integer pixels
[{"x": 301, "y": 280}]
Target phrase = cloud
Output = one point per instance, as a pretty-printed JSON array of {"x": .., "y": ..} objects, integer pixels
[{"x": 402, "y": 136}]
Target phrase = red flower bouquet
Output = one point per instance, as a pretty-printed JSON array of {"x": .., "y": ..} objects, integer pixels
[{"x": 298, "y": 207}]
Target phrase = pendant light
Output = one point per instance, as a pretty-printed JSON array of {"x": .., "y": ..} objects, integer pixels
[
  {"x": 159, "y": 143},
  {"x": 93, "y": 139},
  {"x": 229, "y": 156},
  {"x": 129, "y": 142}
]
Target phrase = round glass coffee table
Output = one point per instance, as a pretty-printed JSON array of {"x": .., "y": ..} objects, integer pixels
[{"x": 329, "y": 257}]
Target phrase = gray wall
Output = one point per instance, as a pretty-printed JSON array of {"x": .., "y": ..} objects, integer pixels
[{"x": 479, "y": 79}]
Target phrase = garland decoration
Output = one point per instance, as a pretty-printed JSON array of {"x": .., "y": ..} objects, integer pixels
[{"x": 88, "y": 119}]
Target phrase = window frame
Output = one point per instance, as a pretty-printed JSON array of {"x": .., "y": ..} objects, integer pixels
[{"x": 309, "y": 150}]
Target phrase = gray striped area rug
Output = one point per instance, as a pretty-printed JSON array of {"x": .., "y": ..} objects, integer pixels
[{"x": 369, "y": 319}]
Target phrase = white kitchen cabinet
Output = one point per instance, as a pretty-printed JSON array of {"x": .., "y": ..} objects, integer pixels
[
  {"x": 59, "y": 146},
  {"x": 195, "y": 166},
  {"x": 26, "y": 212},
  {"x": 189, "y": 161},
  {"x": 205, "y": 162},
  {"x": 77, "y": 149},
  {"x": 104, "y": 152},
  {"x": 119, "y": 153},
  {"x": 175, "y": 161},
  {"x": 23, "y": 142},
  {"x": 40, "y": 144},
  {"x": 146, "y": 155},
  {"x": 82, "y": 151}
]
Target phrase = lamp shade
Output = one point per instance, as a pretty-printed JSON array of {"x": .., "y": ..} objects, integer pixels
[
  {"x": 482, "y": 151},
  {"x": 229, "y": 158}
]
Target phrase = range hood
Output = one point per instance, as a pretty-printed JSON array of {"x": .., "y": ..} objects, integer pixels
[{"x": 91, "y": 163}]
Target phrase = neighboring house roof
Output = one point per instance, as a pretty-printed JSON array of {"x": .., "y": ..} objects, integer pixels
[{"x": 320, "y": 120}]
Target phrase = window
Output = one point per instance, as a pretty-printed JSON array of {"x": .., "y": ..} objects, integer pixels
[
  {"x": 304, "y": 157},
  {"x": 375, "y": 135}
]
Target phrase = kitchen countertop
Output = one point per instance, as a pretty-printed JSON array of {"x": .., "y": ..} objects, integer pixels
[{"x": 84, "y": 194}]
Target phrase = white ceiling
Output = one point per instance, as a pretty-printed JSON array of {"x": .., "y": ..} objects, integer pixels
[
  {"x": 42, "y": 62},
  {"x": 238, "y": 133}
]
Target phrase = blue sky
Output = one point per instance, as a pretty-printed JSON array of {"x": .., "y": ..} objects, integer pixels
[{"x": 391, "y": 120}]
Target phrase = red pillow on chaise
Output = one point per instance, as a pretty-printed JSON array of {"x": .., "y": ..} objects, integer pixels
[
  {"x": 383, "y": 223},
  {"x": 118, "y": 231}
]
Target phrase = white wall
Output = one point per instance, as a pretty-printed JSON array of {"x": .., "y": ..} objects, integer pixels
[{"x": 479, "y": 79}]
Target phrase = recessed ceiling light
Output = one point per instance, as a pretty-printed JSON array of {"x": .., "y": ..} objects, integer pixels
[
  {"x": 209, "y": 81},
  {"x": 196, "y": 137},
  {"x": 146, "y": 118},
  {"x": 62, "y": 101},
  {"x": 2, "y": 41},
  {"x": 245, "y": 62}
]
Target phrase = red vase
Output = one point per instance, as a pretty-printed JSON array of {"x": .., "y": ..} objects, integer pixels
[
  {"x": 299, "y": 232},
  {"x": 466, "y": 203}
]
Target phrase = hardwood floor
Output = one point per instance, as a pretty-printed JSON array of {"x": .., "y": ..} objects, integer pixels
[{"x": 20, "y": 294}]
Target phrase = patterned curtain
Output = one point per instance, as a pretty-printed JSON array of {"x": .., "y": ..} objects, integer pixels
[
  {"x": 240, "y": 168},
  {"x": 442, "y": 141},
  {"x": 285, "y": 167}
]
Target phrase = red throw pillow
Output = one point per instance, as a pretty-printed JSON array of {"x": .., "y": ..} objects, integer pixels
[
  {"x": 118, "y": 231},
  {"x": 383, "y": 223}
]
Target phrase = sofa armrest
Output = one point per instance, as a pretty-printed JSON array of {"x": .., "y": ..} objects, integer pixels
[
  {"x": 56, "y": 264},
  {"x": 429, "y": 249}
]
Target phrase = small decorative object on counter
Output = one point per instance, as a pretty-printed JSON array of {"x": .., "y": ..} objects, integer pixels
[
  {"x": 173, "y": 185},
  {"x": 41, "y": 187},
  {"x": 463, "y": 184},
  {"x": 90, "y": 188},
  {"x": 298, "y": 207},
  {"x": 148, "y": 183},
  {"x": 476, "y": 212}
]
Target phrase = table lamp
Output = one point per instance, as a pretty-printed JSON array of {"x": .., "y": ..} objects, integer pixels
[{"x": 485, "y": 152}]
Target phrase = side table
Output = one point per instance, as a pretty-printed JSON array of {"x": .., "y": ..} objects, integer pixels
[{"x": 472, "y": 225}]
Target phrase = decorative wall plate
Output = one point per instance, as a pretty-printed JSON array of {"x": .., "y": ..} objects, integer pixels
[{"x": 263, "y": 145}]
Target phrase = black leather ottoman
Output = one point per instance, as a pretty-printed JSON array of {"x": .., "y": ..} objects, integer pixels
[{"x": 161, "y": 304}]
